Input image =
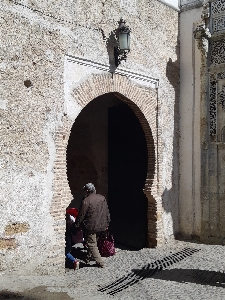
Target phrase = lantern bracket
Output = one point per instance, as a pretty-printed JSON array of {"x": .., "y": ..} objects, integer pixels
[{"x": 120, "y": 55}]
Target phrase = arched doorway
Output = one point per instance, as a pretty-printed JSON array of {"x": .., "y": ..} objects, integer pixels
[
  {"x": 144, "y": 102},
  {"x": 107, "y": 146}
]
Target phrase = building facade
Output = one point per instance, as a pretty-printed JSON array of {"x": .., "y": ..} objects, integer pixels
[
  {"x": 201, "y": 104},
  {"x": 138, "y": 131}
]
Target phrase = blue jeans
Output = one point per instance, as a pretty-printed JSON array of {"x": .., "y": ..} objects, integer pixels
[
  {"x": 70, "y": 257},
  {"x": 69, "y": 247}
]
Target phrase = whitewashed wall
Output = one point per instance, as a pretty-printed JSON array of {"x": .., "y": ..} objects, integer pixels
[
  {"x": 189, "y": 106},
  {"x": 40, "y": 35}
]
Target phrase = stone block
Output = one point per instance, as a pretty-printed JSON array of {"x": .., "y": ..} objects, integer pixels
[
  {"x": 15, "y": 228},
  {"x": 7, "y": 243}
]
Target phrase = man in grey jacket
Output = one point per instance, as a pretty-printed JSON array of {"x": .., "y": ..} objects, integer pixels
[{"x": 94, "y": 216}]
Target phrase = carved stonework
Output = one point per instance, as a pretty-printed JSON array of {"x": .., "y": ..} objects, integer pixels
[
  {"x": 219, "y": 23},
  {"x": 215, "y": 99},
  {"x": 205, "y": 10},
  {"x": 221, "y": 75},
  {"x": 218, "y": 52},
  {"x": 202, "y": 35},
  {"x": 217, "y": 7},
  {"x": 222, "y": 98},
  {"x": 212, "y": 108},
  {"x": 217, "y": 86},
  {"x": 218, "y": 16}
]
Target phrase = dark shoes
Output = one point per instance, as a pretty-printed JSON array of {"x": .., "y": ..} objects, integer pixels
[{"x": 87, "y": 261}]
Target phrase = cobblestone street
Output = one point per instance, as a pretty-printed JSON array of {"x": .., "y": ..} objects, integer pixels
[{"x": 184, "y": 270}]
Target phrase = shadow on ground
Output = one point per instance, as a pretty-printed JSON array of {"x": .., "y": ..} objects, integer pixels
[
  {"x": 147, "y": 271},
  {"x": 196, "y": 276},
  {"x": 80, "y": 254},
  {"x": 38, "y": 293},
  {"x": 125, "y": 247}
]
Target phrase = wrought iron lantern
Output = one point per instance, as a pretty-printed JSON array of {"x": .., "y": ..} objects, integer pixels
[{"x": 123, "y": 47}]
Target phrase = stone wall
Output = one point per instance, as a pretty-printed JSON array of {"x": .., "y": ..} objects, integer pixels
[
  {"x": 43, "y": 93},
  {"x": 213, "y": 172}
]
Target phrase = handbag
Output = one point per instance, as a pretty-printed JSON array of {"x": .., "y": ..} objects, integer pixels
[{"x": 106, "y": 245}]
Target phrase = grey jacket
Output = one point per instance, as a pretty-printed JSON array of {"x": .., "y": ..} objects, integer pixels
[{"x": 94, "y": 213}]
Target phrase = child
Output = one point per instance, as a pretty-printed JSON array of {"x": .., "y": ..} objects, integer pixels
[{"x": 69, "y": 221}]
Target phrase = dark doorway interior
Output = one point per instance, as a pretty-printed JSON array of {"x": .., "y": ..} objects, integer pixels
[
  {"x": 127, "y": 170},
  {"x": 107, "y": 147}
]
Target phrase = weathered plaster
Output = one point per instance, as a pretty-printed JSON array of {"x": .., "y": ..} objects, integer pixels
[
  {"x": 3, "y": 104},
  {"x": 38, "y": 110},
  {"x": 16, "y": 228}
]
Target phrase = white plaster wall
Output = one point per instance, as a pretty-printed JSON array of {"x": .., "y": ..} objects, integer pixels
[
  {"x": 39, "y": 39},
  {"x": 172, "y": 3},
  {"x": 189, "y": 143}
]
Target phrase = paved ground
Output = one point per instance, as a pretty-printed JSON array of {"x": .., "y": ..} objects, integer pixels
[{"x": 185, "y": 270}]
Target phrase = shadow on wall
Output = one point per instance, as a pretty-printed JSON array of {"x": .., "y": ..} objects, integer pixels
[
  {"x": 170, "y": 196},
  {"x": 111, "y": 44},
  {"x": 80, "y": 170}
]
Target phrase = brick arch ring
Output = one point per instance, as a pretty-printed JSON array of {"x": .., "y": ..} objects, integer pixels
[{"x": 144, "y": 103}]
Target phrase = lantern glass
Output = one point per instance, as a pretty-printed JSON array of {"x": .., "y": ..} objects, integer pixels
[{"x": 124, "y": 40}]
